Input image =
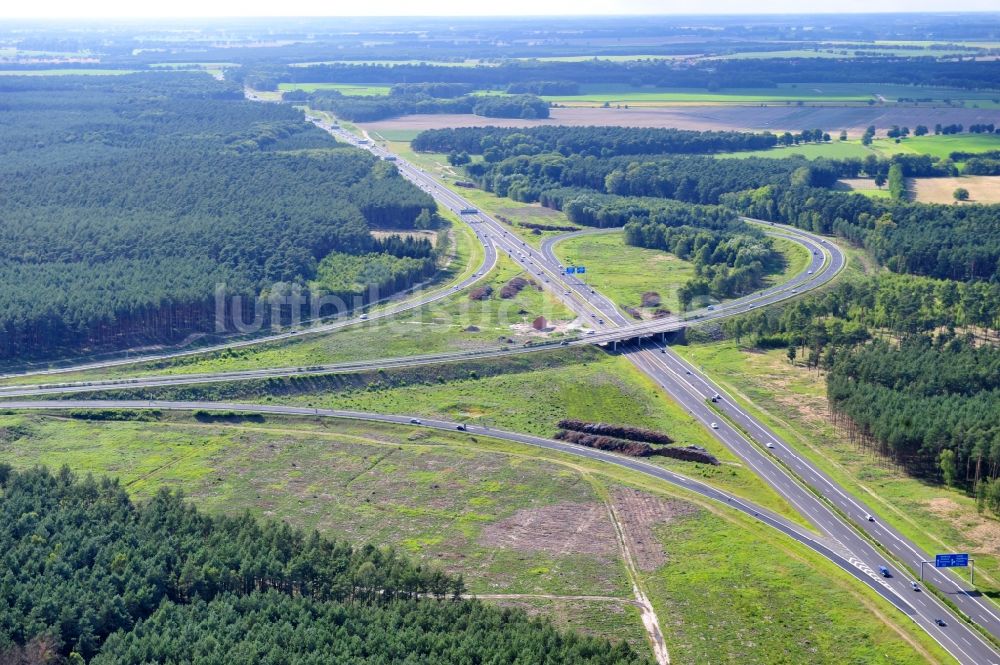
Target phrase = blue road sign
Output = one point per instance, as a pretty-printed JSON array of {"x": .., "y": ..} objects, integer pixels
[
  {"x": 581, "y": 269},
  {"x": 951, "y": 560},
  {"x": 570, "y": 270}
]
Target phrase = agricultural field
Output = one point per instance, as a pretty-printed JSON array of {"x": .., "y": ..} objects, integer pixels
[
  {"x": 839, "y": 52},
  {"x": 525, "y": 528},
  {"x": 938, "y": 146},
  {"x": 827, "y": 93},
  {"x": 468, "y": 62},
  {"x": 935, "y": 145},
  {"x": 981, "y": 188},
  {"x": 754, "y": 117},
  {"x": 792, "y": 400}
]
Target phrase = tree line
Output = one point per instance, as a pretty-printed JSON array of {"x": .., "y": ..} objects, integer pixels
[
  {"x": 362, "y": 108},
  {"x": 90, "y": 576},
  {"x": 497, "y": 143},
  {"x": 705, "y": 74}
]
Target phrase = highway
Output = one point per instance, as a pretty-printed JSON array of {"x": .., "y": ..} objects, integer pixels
[
  {"x": 805, "y": 487},
  {"x": 848, "y": 536}
]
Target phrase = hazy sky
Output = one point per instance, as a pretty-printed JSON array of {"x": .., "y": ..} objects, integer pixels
[{"x": 196, "y": 8}]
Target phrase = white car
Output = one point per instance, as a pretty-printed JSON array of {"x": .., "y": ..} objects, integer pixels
[
  {"x": 770, "y": 445},
  {"x": 715, "y": 425}
]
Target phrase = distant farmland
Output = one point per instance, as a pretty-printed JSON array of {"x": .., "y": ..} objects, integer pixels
[{"x": 755, "y": 118}]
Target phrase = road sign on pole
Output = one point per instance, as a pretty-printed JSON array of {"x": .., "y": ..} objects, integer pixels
[
  {"x": 951, "y": 560},
  {"x": 581, "y": 269},
  {"x": 570, "y": 270}
]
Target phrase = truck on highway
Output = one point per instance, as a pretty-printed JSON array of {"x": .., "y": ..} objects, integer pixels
[{"x": 468, "y": 211}]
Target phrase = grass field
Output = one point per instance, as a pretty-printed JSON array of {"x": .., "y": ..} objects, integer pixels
[
  {"x": 512, "y": 520},
  {"x": 624, "y": 273},
  {"x": 528, "y": 393},
  {"x": 865, "y": 186},
  {"x": 707, "y": 594},
  {"x": 832, "y": 150},
  {"x": 830, "y": 93},
  {"x": 938, "y": 146},
  {"x": 792, "y": 400}
]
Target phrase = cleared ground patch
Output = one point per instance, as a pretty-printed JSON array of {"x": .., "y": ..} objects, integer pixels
[
  {"x": 641, "y": 513},
  {"x": 577, "y": 528},
  {"x": 981, "y": 188}
]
